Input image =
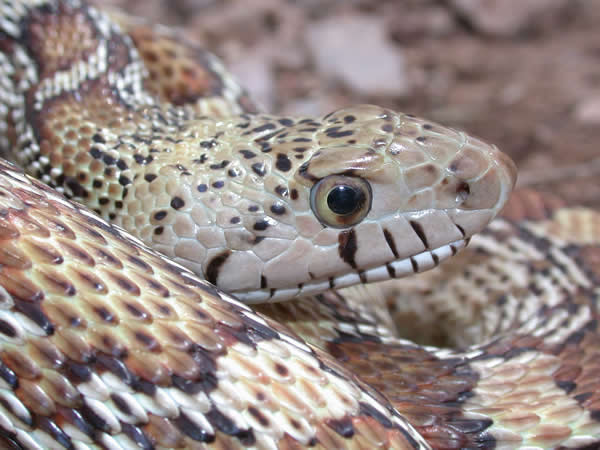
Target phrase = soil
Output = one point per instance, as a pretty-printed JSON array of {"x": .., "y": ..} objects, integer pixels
[{"x": 523, "y": 74}]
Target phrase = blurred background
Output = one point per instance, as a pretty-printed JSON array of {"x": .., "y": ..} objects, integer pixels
[{"x": 523, "y": 74}]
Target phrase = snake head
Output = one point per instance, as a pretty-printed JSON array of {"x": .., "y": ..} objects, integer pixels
[{"x": 298, "y": 206}]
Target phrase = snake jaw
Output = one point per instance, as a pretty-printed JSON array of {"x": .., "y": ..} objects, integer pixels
[{"x": 394, "y": 269}]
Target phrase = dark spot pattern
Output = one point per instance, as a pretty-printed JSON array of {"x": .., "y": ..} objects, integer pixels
[
  {"x": 283, "y": 163},
  {"x": 261, "y": 225},
  {"x": 278, "y": 209},
  {"x": 259, "y": 169},
  {"x": 247, "y": 154},
  {"x": 177, "y": 203}
]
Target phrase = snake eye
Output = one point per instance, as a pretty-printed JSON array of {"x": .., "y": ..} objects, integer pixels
[{"x": 340, "y": 201}]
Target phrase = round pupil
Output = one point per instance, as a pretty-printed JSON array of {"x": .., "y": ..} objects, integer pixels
[{"x": 343, "y": 199}]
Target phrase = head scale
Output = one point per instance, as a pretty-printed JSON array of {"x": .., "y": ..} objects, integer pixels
[{"x": 361, "y": 195}]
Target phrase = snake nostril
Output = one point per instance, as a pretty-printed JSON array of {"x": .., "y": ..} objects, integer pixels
[{"x": 462, "y": 191}]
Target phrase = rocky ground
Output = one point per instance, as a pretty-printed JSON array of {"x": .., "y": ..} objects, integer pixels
[{"x": 524, "y": 74}]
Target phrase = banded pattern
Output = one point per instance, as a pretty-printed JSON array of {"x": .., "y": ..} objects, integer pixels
[{"x": 106, "y": 343}]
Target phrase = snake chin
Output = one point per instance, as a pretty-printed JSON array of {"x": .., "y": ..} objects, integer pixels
[{"x": 394, "y": 269}]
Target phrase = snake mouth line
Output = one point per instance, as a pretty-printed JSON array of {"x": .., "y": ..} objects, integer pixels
[{"x": 395, "y": 269}]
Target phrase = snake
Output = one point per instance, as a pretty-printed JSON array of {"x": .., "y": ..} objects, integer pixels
[{"x": 181, "y": 270}]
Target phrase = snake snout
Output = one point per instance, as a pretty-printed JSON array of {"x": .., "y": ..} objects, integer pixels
[
  {"x": 448, "y": 170},
  {"x": 483, "y": 178}
]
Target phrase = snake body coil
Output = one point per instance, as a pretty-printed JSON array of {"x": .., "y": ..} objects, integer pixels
[{"x": 106, "y": 343}]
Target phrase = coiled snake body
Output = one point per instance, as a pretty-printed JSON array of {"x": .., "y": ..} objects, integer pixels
[{"x": 106, "y": 343}]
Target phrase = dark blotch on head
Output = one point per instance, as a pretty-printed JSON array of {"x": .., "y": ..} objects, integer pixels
[
  {"x": 334, "y": 132},
  {"x": 391, "y": 242},
  {"x": 247, "y": 154},
  {"x": 214, "y": 266},
  {"x": 160, "y": 215},
  {"x": 177, "y": 203},
  {"x": 277, "y": 208},
  {"x": 220, "y": 165},
  {"x": 261, "y": 225},
  {"x": 463, "y": 190},
  {"x": 142, "y": 160},
  {"x": 283, "y": 163},
  {"x": 418, "y": 228},
  {"x": 294, "y": 194},
  {"x": 207, "y": 144},
  {"x": 202, "y": 187},
  {"x": 149, "y": 177},
  {"x": 234, "y": 220},
  {"x": 347, "y": 247},
  {"x": 259, "y": 169},
  {"x": 218, "y": 184},
  {"x": 265, "y": 127},
  {"x": 282, "y": 191}
]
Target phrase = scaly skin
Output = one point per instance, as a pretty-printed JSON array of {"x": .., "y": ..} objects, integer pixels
[
  {"x": 105, "y": 343},
  {"x": 228, "y": 196}
]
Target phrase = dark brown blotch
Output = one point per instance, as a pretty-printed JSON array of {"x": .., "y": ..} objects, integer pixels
[
  {"x": 347, "y": 247},
  {"x": 278, "y": 209},
  {"x": 214, "y": 266},
  {"x": 261, "y": 225},
  {"x": 283, "y": 163},
  {"x": 177, "y": 203},
  {"x": 259, "y": 169},
  {"x": 281, "y": 190},
  {"x": 160, "y": 215}
]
